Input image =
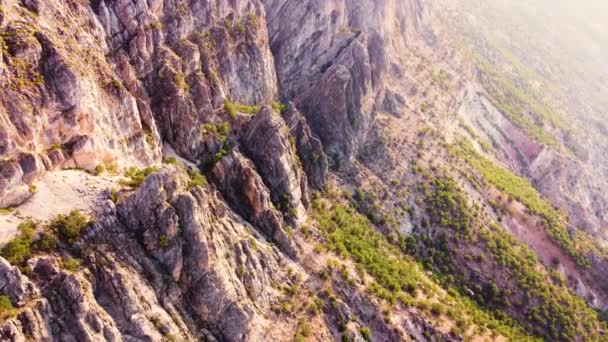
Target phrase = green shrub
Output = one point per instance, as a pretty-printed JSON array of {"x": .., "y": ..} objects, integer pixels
[
  {"x": 70, "y": 264},
  {"x": 222, "y": 131},
  {"x": 163, "y": 241},
  {"x": 6, "y": 307},
  {"x": 99, "y": 169},
  {"x": 173, "y": 161},
  {"x": 69, "y": 227},
  {"x": 114, "y": 196},
  {"x": 366, "y": 333},
  {"x": 27, "y": 229},
  {"x": 180, "y": 81},
  {"x": 278, "y": 107},
  {"x": 18, "y": 250},
  {"x": 304, "y": 329},
  {"x": 233, "y": 108},
  {"x": 6, "y": 211},
  {"x": 46, "y": 242},
  {"x": 137, "y": 176}
]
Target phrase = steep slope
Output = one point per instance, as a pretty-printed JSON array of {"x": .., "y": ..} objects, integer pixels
[{"x": 370, "y": 206}]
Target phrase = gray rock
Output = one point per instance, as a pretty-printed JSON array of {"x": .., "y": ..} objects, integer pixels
[
  {"x": 310, "y": 149},
  {"x": 244, "y": 189},
  {"x": 15, "y": 285},
  {"x": 266, "y": 141}
]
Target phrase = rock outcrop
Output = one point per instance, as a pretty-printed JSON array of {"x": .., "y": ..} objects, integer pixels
[
  {"x": 342, "y": 57},
  {"x": 62, "y": 106},
  {"x": 165, "y": 263},
  {"x": 266, "y": 140},
  {"x": 309, "y": 147},
  {"x": 245, "y": 190}
]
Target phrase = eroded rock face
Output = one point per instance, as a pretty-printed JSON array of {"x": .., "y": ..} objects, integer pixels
[
  {"x": 186, "y": 59},
  {"x": 342, "y": 55},
  {"x": 309, "y": 147},
  {"x": 245, "y": 190},
  {"x": 16, "y": 285},
  {"x": 266, "y": 141},
  {"x": 59, "y": 97},
  {"x": 165, "y": 262}
]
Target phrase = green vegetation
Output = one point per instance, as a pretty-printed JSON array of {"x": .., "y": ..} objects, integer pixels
[
  {"x": 70, "y": 264},
  {"x": 521, "y": 190},
  {"x": 69, "y": 227},
  {"x": 99, "y": 169},
  {"x": 515, "y": 104},
  {"x": 304, "y": 330},
  {"x": 366, "y": 333},
  {"x": 116, "y": 84},
  {"x": 196, "y": 179},
  {"x": 110, "y": 168},
  {"x": 137, "y": 176},
  {"x": 425, "y": 106},
  {"x": 220, "y": 130},
  {"x": 180, "y": 81},
  {"x": 397, "y": 276},
  {"x": 6, "y": 307},
  {"x": 542, "y": 307},
  {"x": 173, "y": 161},
  {"x": 252, "y": 20},
  {"x": 18, "y": 250},
  {"x": 6, "y": 211},
  {"x": 286, "y": 207},
  {"x": 278, "y": 107},
  {"x": 163, "y": 241},
  {"x": 233, "y": 108}
]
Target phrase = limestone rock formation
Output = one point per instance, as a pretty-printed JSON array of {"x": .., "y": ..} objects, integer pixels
[
  {"x": 308, "y": 146},
  {"x": 245, "y": 190},
  {"x": 350, "y": 212},
  {"x": 267, "y": 142},
  {"x": 343, "y": 57}
]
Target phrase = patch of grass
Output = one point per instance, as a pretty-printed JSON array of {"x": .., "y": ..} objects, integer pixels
[
  {"x": 173, "y": 161},
  {"x": 366, "y": 333},
  {"x": 6, "y": 307},
  {"x": 70, "y": 264},
  {"x": 278, "y": 107},
  {"x": 136, "y": 176},
  {"x": 180, "y": 81},
  {"x": 303, "y": 330},
  {"x": 111, "y": 168},
  {"x": 99, "y": 170},
  {"x": 232, "y": 108},
  {"x": 163, "y": 241},
  {"x": 6, "y": 211},
  {"x": 222, "y": 130},
  {"x": 196, "y": 179}
]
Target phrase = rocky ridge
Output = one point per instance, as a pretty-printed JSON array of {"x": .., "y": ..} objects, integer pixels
[{"x": 373, "y": 97}]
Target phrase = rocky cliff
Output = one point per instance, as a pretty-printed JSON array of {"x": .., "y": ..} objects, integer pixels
[{"x": 282, "y": 170}]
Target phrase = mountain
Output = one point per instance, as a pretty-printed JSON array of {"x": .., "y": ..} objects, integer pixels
[{"x": 253, "y": 170}]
